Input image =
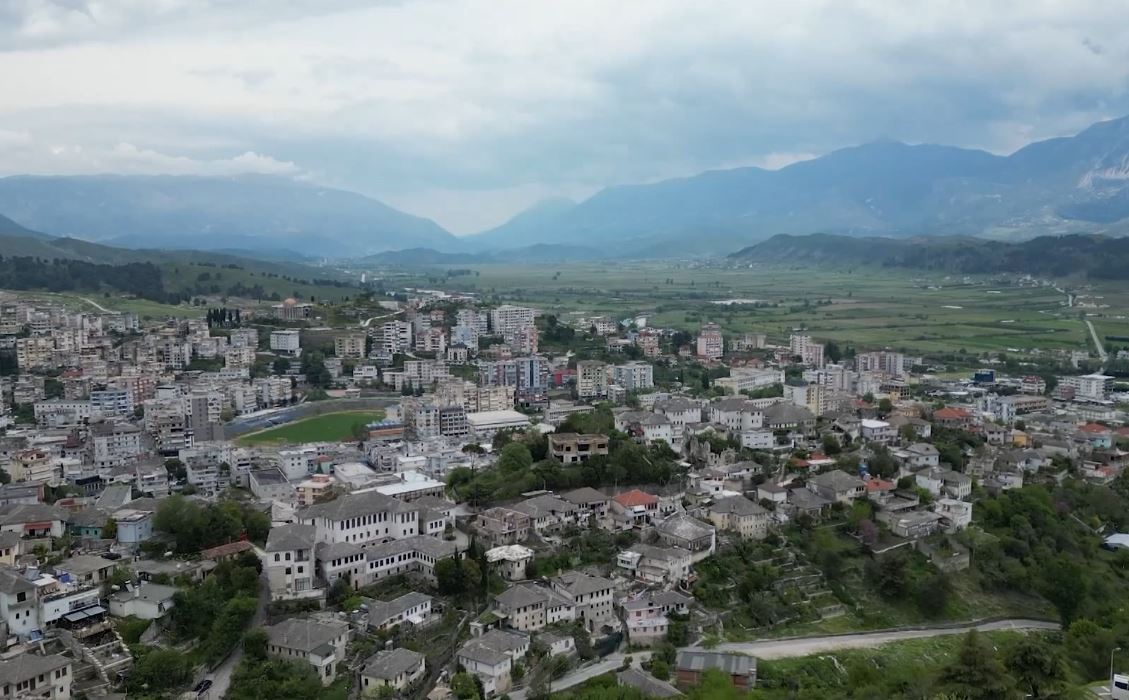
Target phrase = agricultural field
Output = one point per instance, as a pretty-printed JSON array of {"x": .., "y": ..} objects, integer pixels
[
  {"x": 328, "y": 427},
  {"x": 866, "y": 307}
]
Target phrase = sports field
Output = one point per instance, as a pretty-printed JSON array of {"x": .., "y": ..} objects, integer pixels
[
  {"x": 917, "y": 312},
  {"x": 330, "y": 427}
]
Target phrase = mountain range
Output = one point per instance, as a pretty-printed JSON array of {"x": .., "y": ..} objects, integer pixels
[
  {"x": 249, "y": 213},
  {"x": 1078, "y": 256},
  {"x": 1076, "y": 184},
  {"x": 1063, "y": 185}
]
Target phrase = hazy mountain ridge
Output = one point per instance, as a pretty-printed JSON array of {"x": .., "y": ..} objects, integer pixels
[
  {"x": 1063, "y": 185},
  {"x": 1078, "y": 255},
  {"x": 244, "y": 212}
]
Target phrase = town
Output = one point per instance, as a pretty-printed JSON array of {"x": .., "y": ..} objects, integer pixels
[{"x": 417, "y": 493}]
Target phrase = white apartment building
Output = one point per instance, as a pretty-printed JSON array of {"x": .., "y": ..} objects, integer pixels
[
  {"x": 286, "y": 342},
  {"x": 750, "y": 379},
  {"x": 634, "y": 376},
  {"x": 349, "y": 347},
  {"x": 710, "y": 343},
  {"x": 591, "y": 379},
  {"x": 508, "y": 319},
  {"x": 114, "y": 445}
]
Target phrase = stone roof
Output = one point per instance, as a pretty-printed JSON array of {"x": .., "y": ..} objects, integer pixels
[
  {"x": 19, "y": 513},
  {"x": 684, "y": 527},
  {"x": 837, "y": 480},
  {"x": 380, "y": 610},
  {"x": 522, "y": 595},
  {"x": 578, "y": 583},
  {"x": 584, "y": 496},
  {"x": 12, "y": 582},
  {"x": 493, "y": 647},
  {"x": 355, "y": 505},
  {"x": 305, "y": 635},
  {"x": 27, "y": 666},
  {"x": 431, "y": 546},
  {"x": 290, "y": 536},
  {"x": 388, "y": 665},
  {"x": 737, "y": 505},
  {"x": 646, "y": 683}
]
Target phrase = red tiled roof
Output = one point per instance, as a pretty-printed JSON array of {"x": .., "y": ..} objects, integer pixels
[
  {"x": 635, "y": 497},
  {"x": 879, "y": 485},
  {"x": 951, "y": 412},
  {"x": 1094, "y": 428},
  {"x": 226, "y": 550}
]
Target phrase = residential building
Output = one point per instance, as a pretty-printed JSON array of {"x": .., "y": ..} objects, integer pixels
[
  {"x": 147, "y": 601},
  {"x": 647, "y": 616},
  {"x": 837, "y": 485},
  {"x": 491, "y": 657},
  {"x": 286, "y": 342},
  {"x": 529, "y": 607},
  {"x": 710, "y": 345},
  {"x": 393, "y": 668},
  {"x": 350, "y": 346},
  {"x": 634, "y": 376},
  {"x": 572, "y": 448},
  {"x": 507, "y": 319},
  {"x": 33, "y": 675},
  {"x": 413, "y": 608},
  {"x": 591, "y": 595},
  {"x": 510, "y": 561},
  {"x": 692, "y": 663},
  {"x": 591, "y": 380},
  {"x": 740, "y": 515},
  {"x": 321, "y": 644}
]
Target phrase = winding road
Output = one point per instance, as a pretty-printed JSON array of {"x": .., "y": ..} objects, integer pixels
[
  {"x": 804, "y": 646},
  {"x": 96, "y": 305}
]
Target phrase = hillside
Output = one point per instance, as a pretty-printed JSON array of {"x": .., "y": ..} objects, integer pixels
[
  {"x": 1092, "y": 256},
  {"x": 169, "y": 275},
  {"x": 1064, "y": 185},
  {"x": 253, "y": 213}
]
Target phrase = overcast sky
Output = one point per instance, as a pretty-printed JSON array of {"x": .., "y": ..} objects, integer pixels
[{"x": 466, "y": 111}]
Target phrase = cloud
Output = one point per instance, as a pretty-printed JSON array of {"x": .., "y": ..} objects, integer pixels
[
  {"x": 20, "y": 153},
  {"x": 432, "y": 102}
]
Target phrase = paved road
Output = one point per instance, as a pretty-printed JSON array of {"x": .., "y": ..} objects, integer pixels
[
  {"x": 96, "y": 305},
  {"x": 612, "y": 662},
  {"x": 221, "y": 676},
  {"x": 1097, "y": 341},
  {"x": 365, "y": 323},
  {"x": 784, "y": 648}
]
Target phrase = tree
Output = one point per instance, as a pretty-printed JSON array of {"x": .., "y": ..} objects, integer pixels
[
  {"x": 464, "y": 687},
  {"x": 158, "y": 670},
  {"x": 515, "y": 457},
  {"x": 660, "y": 670},
  {"x": 110, "y": 529},
  {"x": 255, "y": 644},
  {"x": 449, "y": 577},
  {"x": 1038, "y": 666},
  {"x": 885, "y": 406},
  {"x": 976, "y": 673},
  {"x": 1066, "y": 585}
]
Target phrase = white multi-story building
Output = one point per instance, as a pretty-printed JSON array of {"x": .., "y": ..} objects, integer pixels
[
  {"x": 1089, "y": 387},
  {"x": 508, "y": 319},
  {"x": 395, "y": 337},
  {"x": 810, "y": 353},
  {"x": 286, "y": 342},
  {"x": 591, "y": 379},
  {"x": 350, "y": 346},
  {"x": 634, "y": 376},
  {"x": 710, "y": 343},
  {"x": 114, "y": 445},
  {"x": 750, "y": 379}
]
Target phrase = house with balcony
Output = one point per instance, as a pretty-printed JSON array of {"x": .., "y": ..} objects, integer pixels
[{"x": 289, "y": 564}]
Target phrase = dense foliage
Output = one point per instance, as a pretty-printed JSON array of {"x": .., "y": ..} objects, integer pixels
[{"x": 141, "y": 279}]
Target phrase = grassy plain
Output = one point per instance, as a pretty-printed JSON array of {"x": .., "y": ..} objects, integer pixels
[
  {"x": 328, "y": 427},
  {"x": 866, "y": 307}
]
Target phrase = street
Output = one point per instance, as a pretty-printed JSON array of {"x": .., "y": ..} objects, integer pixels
[
  {"x": 803, "y": 646},
  {"x": 784, "y": 648},
  {"x": 221, "y": 676},
  {"x": 612, "y": 662}
]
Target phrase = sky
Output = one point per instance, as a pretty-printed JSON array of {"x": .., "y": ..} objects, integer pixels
[{"x": 467, "y": 111}]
